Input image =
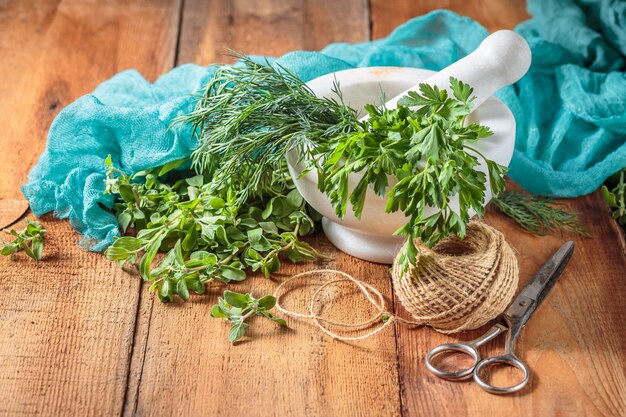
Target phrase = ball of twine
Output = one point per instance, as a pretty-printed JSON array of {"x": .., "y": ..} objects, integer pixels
[{"x": 460, "y": 284}]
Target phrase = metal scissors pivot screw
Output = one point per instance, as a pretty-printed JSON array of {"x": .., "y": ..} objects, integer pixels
[{"x": 512, "y": 321}]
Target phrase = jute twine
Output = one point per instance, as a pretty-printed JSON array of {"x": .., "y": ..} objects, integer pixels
[{"x": 459, "y": 285}]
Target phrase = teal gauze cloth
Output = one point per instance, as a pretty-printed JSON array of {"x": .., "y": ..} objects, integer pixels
[{"x": 570, "y": 108}]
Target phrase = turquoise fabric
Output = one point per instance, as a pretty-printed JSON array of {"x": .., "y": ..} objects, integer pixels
[
  {"x": 570, "y": 108},
  {"x": 572, "y": 122}
]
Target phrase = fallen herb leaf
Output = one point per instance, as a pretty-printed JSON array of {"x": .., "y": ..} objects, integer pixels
[
  {"x": 237, "y": 308},
  {"x": 29, "y": 239}
]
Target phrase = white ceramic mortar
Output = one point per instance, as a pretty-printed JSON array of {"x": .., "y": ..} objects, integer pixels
[{"x": 371, "y": 237}]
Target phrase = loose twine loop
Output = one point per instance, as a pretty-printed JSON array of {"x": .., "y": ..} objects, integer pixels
[
  {"x": 371, "y": 294},
  {"x": 459, "y": 285}
]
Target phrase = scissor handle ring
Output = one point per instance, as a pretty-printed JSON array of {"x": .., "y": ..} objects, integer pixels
[
  {"x": 453, "y": 347},
  {"x": 508, "y": 359}
]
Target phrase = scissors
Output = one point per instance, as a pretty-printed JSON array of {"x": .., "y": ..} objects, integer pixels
[{"x": 512, "y": 321}]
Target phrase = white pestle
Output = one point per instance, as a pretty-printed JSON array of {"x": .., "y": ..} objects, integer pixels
[{"x": 501, "y": 59}]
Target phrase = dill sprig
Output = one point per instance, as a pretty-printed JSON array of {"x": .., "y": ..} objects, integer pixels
[
  {"x": 538, "y": 215},
  {"x": 250, "y": 116}
]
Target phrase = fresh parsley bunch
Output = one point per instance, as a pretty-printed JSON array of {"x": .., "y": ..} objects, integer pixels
[
  {"x": 419, "y": 159},
  {"x": 206, "y": 234}
]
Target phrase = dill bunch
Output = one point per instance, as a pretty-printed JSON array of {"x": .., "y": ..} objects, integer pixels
[
  {"x": 538, "y": 215},
  {"x": 250, "y": 116}
]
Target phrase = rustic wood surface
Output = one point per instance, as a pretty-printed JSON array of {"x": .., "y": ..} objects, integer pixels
[
  {"x": 66, "y": 324},
  {"x": 81, "y": 337}
]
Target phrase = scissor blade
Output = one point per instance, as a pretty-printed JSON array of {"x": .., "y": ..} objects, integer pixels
[{"x": 525, "y": 304}]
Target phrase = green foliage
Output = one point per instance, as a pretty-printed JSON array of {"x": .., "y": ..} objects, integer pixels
[
  {"x": 428, "y": 150},
  {"x": 250, "y": 116},
  {"x": 206, "y": 234},
  {"x": 538, "y": 215},
  {"x": 29, "y": 239},
  {"x": 237, "y": 308},
  {"x": 615, "y": 197}
]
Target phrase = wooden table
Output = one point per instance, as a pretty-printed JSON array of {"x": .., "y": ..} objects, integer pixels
[{"x": 81, "y": 337}]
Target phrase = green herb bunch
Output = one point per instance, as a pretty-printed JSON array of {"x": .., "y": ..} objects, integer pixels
[
  {"x": 428, "y": 150},
  {"x": 250, "y": 116},
  {"x": 237, "y": 308},
  {"x": 29, "y": 239},
  {"x": 242, "y": 210},
  {"x": 207, "y": 234}
]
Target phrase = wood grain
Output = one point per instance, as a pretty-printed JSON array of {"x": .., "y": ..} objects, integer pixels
[
  {"x": 66, "y": 323},
  {"x": 271, "y": 27},
  {"x": 55, "y": 51},
  {"x": 574, "y": 344},
  {"x": 275, "y": 372},
  {"x": 12, "y": 210},
  {"x": 79, "y": 336},
  {"x": 66, "y": 326},
  {"x": 492, "y": 14}
]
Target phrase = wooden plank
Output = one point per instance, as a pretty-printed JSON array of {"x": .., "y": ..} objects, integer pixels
[
  {"x": 66, "y": 323},
  {"x": 574, "y": 344},
  {"x": 188, "y": 366},
  {"x": 66, "y": 48},
  {"x": 271, "y": 27},
  {"x": 492, "y": 14},
  {"x": 275, "y": 372},
  {"x": 12, "y": 210},
  {"x": 66, "y": 328}
]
